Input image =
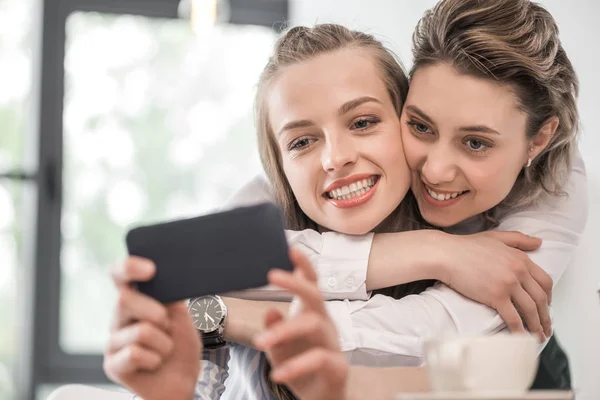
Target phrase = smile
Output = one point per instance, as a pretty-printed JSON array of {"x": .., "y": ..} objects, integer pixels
[
  {"x": 444, "y": 196},
  {"x": 353, "y": 190},
  {"x": 353, "y": 193},
  {"x": 442, "y": 199}
]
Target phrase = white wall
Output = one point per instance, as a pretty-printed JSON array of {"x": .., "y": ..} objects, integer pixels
[{"x": 576, "y": 304}]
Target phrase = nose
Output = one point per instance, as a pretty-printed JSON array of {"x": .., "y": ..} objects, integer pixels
[
  {"x": 440, "y": 165},
  {"x": 339, "y": 152}
]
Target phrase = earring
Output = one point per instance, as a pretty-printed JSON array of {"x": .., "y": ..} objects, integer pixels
[{"x": 528, "y": 163}]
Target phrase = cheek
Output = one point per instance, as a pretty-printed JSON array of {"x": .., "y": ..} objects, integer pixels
[
  {"x": 414, "y": 150},
  {"x": 494, "y": 179},
  {"x": 388, "y": 152},
  {"x": 301, "y": 177}
]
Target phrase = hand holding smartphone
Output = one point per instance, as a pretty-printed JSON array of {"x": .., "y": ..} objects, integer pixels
[{"x": 211, "y": 254}]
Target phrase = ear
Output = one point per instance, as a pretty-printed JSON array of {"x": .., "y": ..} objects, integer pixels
[{"x": 541, "y": 140}]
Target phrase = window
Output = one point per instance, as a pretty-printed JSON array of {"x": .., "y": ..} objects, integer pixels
[{"x": 158, "y": 124}]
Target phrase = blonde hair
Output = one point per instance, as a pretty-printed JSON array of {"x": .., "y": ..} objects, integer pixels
[
  {"x": 514, "y": 43},
  {"x": 300, "y": 44}
]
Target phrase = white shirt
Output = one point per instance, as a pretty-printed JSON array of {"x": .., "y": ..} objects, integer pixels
[{"x": 386, "y": 331}]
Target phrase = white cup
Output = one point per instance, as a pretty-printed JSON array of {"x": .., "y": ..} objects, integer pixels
[{"x": 502, "y": 363}]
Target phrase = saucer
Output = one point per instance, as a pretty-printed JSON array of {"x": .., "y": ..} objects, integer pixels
[{"x": 531, "y": 395}]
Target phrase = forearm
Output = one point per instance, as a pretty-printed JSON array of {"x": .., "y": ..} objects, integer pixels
[
  {"x": 245, "y": 318},
  {"x": 385, "y": 383},
  {"x": 403, "y": 257}
]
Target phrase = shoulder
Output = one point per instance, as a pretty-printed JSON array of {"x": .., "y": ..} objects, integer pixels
[{"x": 256, "y": 190}]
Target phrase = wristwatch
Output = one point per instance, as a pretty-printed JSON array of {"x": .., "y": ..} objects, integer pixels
[{"x": 208, "y": 314}]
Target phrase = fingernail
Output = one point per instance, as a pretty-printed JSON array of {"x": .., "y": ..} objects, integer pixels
[{"x": 144, "y": 267}]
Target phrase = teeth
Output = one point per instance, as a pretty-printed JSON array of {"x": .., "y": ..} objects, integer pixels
[
  {"x": 357, "y": 188},
  {"x": 443, "y": 197}
]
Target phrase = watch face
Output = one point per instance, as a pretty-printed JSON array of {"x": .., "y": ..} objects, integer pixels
[{"x": 206, "y": 313}]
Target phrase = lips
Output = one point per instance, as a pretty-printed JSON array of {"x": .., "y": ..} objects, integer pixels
[
  {"x": 439, "y": 198},
  {"x": 443, "y": 196},
  {"x": 351, "y": 190}
]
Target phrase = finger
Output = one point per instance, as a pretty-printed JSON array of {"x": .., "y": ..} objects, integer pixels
[
  {"x": 537, "y": 294},
  {"x": 529, "y": 312},
  {"x": 307, "y": 291},
  {"x": 131, "y": 359},
  {"x": 302, "y": 263},
  {"x": 314, "y": 361},
  {"x": 517, "y": 240},
  {"x": 303, "y": 326},
  {"x": 178, "y": 308},
  {"x": 142, "y": 334},
  {"x": 135, "y": 306},
  {"x": 272, "y": 317},
  {"x": 542, "y": 278},
  {"x": 511, "y": 317},
  {"x": 131, "y": 270}
]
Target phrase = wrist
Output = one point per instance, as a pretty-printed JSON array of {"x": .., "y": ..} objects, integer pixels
[
  {"x": 403, "y": 257},
  {"x": 435, "y": 262},
  {"x": 234, "y": 324},
  {"x": 436, "y": 253},
  {"x": 245, "y": 318}
]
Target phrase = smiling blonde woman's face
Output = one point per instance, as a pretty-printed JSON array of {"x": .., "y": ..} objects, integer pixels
[
  {"x": 465, "y": 142},
  {"x": 339, "y": 138}
]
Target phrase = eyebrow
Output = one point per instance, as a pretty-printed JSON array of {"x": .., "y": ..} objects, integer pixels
[
  {"x": 303, "y": 123},
  {"x": 479, "y": 128},
  {"x": 352, "y": 104},
  {"x": 420, "y": 113},
  {"x": 345, "y": 108},
  {"x": 473, "y": 128}
]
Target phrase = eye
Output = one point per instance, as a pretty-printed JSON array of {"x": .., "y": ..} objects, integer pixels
[
  {"x": 364, "y": 123},
  {"x": 300, "y": 144},
  {"x": 419, "y": 128},
  {"x": 476, "y": 145}
]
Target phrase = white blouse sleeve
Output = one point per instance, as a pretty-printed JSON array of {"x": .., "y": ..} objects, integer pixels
[
  {"x": 340, "y": 260},
  {"x": 399, "y": 326}
]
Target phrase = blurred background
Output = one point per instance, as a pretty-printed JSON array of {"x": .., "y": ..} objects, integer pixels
[{"x": 115, "y": 112}]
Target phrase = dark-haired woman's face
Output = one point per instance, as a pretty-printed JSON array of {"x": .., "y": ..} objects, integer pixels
[{"x": 465, "y": 143}]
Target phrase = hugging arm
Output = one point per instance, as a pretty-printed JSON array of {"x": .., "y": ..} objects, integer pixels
[{"x": 558, "y": 221}]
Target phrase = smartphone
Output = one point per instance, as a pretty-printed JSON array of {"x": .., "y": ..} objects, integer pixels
[{"x": 211, "y": 254}]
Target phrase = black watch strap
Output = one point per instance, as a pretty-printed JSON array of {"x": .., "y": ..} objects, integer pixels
[{"x": 212, "y": 340}]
